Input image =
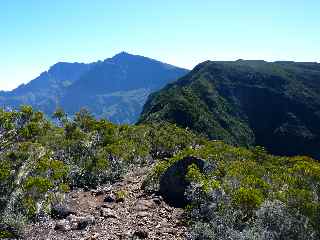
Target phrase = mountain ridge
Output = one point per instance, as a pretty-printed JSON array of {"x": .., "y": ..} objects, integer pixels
[
  {"x": 275, "y": 105},
  {"x": 76, "y": 85}
]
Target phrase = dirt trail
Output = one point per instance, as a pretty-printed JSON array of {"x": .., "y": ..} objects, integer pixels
[{"x": 139, "y": 216}]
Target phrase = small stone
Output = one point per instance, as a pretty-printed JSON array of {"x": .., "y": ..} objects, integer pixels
[
  {"x": 107, "y": 189},
  {"x": 142, "y": 214},
  {"x": 169, "y": 230},
  {"x": 97, "y": 192},
  {"x": 61, "y": 212},
  {"x": 94, "y": 236},
  {"x": 108, "y": 213},
  {"x": 74, "y": 196},
  {"x": 140, "y": 234},
  {"x": 143, "y": 205},
  {"x": 157, "y": 201},
  {"x": 110, "y": 198},
  {"x": 80, "y": 223},
  {"x": 105, "y": 206},
  {"x": 62, "y": 225}
]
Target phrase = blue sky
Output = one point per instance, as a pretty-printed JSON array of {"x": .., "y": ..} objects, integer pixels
[{"x": 35, "y": 34}]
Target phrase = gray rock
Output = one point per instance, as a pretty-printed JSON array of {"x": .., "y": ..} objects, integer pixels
[
  {"x": 140, "y": 234},
  {"x": 157, "y": 200},
  {"x": 80, "y": 223},
  {"x": 142, "y": 214},
  {"x": 173, "y": 183},
  {"x": 94, "y": 236},
  {"x": 61, "y": 211},
  {"x": 97, "y": 192},
  {"x": 143, "y": 205},
  {"x": 84, "y": 222},
  {"x": 110, "y": 198},
  {"x": 108, "y": 213},
  {"x": 62, "y": 225}
]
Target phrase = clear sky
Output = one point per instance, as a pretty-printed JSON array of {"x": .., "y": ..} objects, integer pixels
[{"x": 35, "y": 34}]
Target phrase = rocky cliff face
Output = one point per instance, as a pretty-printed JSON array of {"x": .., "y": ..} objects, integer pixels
[{"x": 275, "y": 105}]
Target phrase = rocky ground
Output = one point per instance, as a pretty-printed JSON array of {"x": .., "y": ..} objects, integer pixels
[{"x": 120, "y": 211}]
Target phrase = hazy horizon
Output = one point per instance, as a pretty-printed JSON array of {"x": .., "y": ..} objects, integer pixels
[{"x": 37, "y": 34}]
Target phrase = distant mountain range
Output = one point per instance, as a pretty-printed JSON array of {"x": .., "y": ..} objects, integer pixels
[
  {"x": 275, "y": 105},
  {"x": 245, "y": 103},
  {"x": 115, "y": 88}
]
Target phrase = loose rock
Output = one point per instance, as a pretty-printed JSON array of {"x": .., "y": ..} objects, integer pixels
[
  {"x": 110, "y": 198},
  {"x": 138, "y": 217},
  {"x": 61, "y": 212},
  {"x": 62, "y": 225},
  {"x": 140, "y": 234},
  {"x": 108, "y": 213}
]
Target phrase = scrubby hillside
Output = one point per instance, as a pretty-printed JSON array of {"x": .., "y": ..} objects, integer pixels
[
  {"x": 41, "y": 162},
  {"x": 84, "y": 178},
  {"x": 242, "y": 194},
  {"x": 275, "y": 105}
]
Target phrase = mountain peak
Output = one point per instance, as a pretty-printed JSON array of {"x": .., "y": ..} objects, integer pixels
[
  {"x": 122, "y": 54},
  {"x": 125, "y": 56},
  {"x": 122, "y": 82}
]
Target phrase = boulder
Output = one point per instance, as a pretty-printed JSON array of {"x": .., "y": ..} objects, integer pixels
[{"x": 173, "y": 183}]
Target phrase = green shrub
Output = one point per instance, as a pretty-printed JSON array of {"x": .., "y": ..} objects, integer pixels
[{"x": 248, "y": 198}]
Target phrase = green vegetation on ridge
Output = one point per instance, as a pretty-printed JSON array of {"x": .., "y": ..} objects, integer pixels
[
  {"x": 242, "y": 183},
  {"x": 245, "y": 103},
  {"x": 240, "y": 196}
]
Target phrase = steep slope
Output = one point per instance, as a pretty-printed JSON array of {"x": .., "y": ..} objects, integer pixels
[
  {"x": 115, "y": 88},
  {"x": 45, "y": 91},
  {"x": 276, "y": 105},
  {"x": 118, "y": 87}
]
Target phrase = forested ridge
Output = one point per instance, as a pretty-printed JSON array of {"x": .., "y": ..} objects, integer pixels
[{"x": 246, "y": 103}]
